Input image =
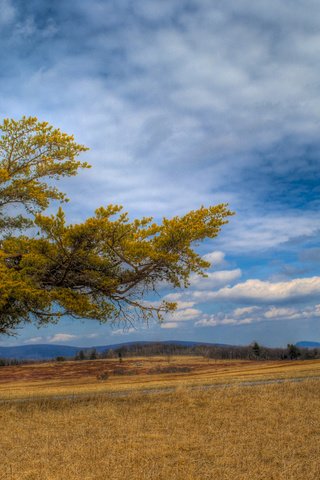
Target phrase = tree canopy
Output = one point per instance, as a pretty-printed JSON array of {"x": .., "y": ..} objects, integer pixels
[{"x": 103, "y": 268}]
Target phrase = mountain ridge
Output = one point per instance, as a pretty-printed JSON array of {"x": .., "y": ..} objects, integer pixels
[
  {"x": 308, "y": 344},
  {"x": 49, "y": 351}
]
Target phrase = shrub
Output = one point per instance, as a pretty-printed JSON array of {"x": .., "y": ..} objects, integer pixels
[
  {"x": 170, "y": 369},
  {"x": 124, "y": 371},
  {"x": 103, "y": 376}
]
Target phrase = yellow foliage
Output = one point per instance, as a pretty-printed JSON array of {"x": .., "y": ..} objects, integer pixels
[{"x": 102, "y": 268}]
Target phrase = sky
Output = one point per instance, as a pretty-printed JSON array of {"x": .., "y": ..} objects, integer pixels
[{"x": 186, "y": 103}]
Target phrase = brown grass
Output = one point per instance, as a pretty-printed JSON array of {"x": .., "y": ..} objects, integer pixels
[
  {"x": 269, "y": 432},
  {"x": 140, "y": 373}
]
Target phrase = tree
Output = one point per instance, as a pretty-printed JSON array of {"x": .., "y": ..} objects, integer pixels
[
  {"x": 31, "y": 153},
  {"x": 93, "y": 354},
  {"x": 293, "y": 351},
  {"x": 108, "y": 354},
  {"x": 103, "y": 268},
  {"x": 60, "y": 359},
  {"x": 256, "y": 349},
  {"x": 80, "y": 355}
]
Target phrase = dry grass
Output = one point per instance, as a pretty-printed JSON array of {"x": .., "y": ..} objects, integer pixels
[
  {"x": 269, "y": 432},
  {"x": 140, "y": 373}
]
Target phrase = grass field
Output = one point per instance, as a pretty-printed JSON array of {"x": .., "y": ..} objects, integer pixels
[
  {"x": 269, "y": 432},
  {"x": 84, "y": 377},
  {"x": 264, "y": 432}
]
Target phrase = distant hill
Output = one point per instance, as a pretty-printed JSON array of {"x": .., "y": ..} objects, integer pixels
[
  {"x": 49, "y": 351},
  {"x": 38, "y": 352},
  {"x": 307, "y": 344}
]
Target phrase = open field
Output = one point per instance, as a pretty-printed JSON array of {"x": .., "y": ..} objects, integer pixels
[
  {"x": 88, "y": 377},
  {"x": 269, "y": 432},
  {"x": 239, "y": 433}
]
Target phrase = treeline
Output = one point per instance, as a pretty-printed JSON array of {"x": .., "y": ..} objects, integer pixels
[
  {"x": 254, "y": 351},
  {"x": 5, "y": 362}
]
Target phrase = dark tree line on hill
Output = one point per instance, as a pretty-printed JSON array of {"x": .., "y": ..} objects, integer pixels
[
  {"x": 218, "y": 352},
  {"x": 4, "y": 362},
  {"x": 249, "y": 352}
]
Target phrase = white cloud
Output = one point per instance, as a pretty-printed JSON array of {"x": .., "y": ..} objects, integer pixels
[
  {"x": 292, "y": 313},
  {"x": 268, "y": 231},
  {"x": 34, "y": 340},
  {"x": 185, "y": 314},
  {"x": 169, "y": 325},
  {"x": 239, "y": 312},
  {"x": 215, "y": 258},
  {"x": 257, "y": 314},
  {"x": 123, "y": 331},
  {"x": 259, "y": 291},
  {"x": 183, "y": 305},
  {"x": 187, "y": 299},
  {"x": 215, "y": 320},
  {"x": 214, "y": 279},
  {"x": 246, "y": 321},
  {"x": 61, "y": 337},
  {"x": 208, "y": 321},
  {"x": 281, "y": 312},
  {"x": 174, "y": 297}
]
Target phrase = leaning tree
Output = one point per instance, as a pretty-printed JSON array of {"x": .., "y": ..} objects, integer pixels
[{"x": 103, "y": 268}]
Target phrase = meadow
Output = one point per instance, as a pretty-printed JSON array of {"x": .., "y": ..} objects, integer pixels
[
  {"x": 130, "y": 427},
  {"x": 138, "y": 374}
]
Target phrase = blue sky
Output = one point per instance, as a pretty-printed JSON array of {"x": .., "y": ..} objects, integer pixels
[{"x": 184, "y": 103}]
